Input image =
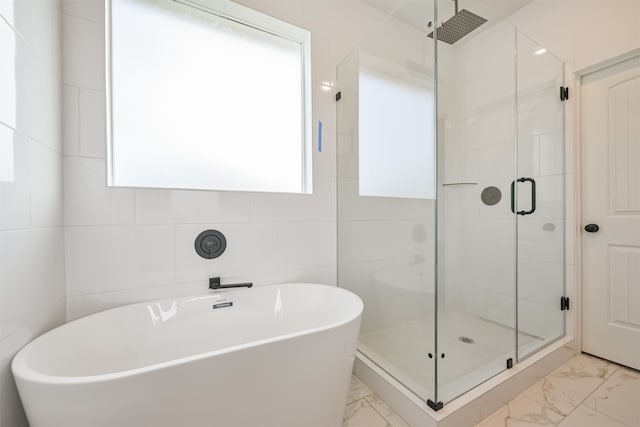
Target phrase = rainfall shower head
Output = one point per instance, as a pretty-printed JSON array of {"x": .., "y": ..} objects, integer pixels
[{"x": 458, "y": 26}]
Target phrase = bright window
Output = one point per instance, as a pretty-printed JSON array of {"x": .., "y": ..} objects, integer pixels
[
  {"x": 396, "y": 131},
  {"x": 207, "y": 95}
]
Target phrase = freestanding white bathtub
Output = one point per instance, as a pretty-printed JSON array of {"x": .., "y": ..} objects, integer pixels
[{"x": 278, "y": 356}]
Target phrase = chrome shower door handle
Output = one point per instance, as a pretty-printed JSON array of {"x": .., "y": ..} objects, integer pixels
[{"x": 533, "y": 196}]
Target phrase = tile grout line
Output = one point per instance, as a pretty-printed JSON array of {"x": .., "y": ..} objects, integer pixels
[
  {"x": 374, "y": 408},
  {"x": 82, "y": 18},
  {"x": 582, "y": 403},
  {"x": 594, "y": 390},
  {"x": 378, "y": 412},
  {"x": 370, "y": 406}
]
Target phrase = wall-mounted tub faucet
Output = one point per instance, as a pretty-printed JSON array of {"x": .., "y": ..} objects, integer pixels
[{"x": 214, "y": 283}]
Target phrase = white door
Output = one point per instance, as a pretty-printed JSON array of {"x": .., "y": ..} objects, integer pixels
[{"x": 610, "y": 117}]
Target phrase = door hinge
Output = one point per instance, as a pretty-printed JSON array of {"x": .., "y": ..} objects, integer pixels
[
  {"x": 509, "y": 363},
  {"x": 338, "y": 96},
  {"x": 564, "y": 303},
  {"x": 564, "y": 93}
]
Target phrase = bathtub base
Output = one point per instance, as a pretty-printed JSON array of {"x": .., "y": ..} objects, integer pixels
[
  {"x": 301, "y": 382},
  {"x": 472, "y": 407}
]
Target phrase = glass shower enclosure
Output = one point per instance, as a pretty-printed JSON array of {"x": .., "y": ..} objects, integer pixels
[{"x": 451, "y": 202}]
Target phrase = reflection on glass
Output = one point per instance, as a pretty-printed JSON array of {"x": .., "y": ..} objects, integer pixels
[
  {"x": 8, "y": 86},
  {"x": 7, "y": 161},
  {"x": 395, "y": 135},
  {"x": 8, "y": 82}
]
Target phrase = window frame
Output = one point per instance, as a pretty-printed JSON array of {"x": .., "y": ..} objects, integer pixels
[{"x": 226, "y": 9}]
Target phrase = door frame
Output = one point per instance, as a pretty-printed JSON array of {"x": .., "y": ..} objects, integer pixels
[{"x": 578, "y": 187}]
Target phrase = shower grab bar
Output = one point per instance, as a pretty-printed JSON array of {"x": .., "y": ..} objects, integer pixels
[{"x": 533, "y": 196}]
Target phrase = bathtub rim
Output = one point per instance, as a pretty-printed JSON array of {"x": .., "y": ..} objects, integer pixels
[{"x": 21, "y": 369}]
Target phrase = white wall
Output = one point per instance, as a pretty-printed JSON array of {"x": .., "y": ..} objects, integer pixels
[
  {"x": 32, "y": 289},
  {"x": 127, "y": 245},
  {"x": 582, "y": 32}
]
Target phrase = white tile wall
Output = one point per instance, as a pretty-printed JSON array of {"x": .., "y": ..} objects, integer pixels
[
  {"x": 15, "y": 209},
  {"x": 307, "y": 245},
  {"x": 125, "y": 245},
  {"x": 70, "y": 117},
  {"x": 320, "y": 206},
  {"x": 176, "y": 206},
  {"x": 37, "y": 93},
  {"x": 252, "y": 249},
  {"x": 83, "y": 50},
  {"x": 106, "y": 258},
  {"x": 92, "y": 122},
  {"x": 46, "y": 186},
  {"x": 88, "y": 201},
  {"x": 32, "y": 275},
  {"x": 85, "y": 9},
  {"x": 32, "y": 285}
]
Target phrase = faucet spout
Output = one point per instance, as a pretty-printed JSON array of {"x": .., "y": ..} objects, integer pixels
[{"x": 214, "y": 283}]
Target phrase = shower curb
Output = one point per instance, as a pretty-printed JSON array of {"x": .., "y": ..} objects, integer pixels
[{"x": 475, "y": 405}]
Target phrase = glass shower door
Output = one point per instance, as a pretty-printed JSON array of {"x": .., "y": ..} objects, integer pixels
[
  {"x": 477, "y": 231},
  {"x": 501, "y": 203},
  {"x": 541, "y": 197}
]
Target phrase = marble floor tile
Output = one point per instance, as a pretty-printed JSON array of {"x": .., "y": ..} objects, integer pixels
[
  {"x": 361, "y": 414},
  {"x": 497, "y": 419},
  {"x": 619, "y": 397},
  {"x": 357, "y": 390},
  {"x": 565, "y": 388},
  {"x": 387, "y": 413},
  {"x": 522, "y": 412},
  {"x": 584, "y": 392},
  {"x": 592, "y": 365},
  {"x": 583, "y": 416}
]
